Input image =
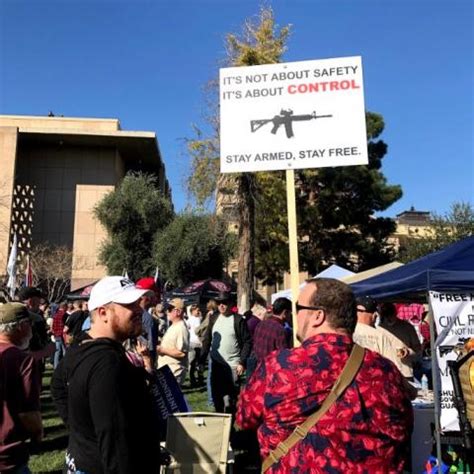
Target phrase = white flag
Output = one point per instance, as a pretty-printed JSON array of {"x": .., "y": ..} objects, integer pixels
[{"x": 11, "y": 267}]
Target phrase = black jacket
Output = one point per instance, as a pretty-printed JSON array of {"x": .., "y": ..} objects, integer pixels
[
  {"x": 74, "y": 322},
  {"x": 105, "y": 402},
  {"x": 244, "y": 340}
]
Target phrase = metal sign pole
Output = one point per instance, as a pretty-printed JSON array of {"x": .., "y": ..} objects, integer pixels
[
  {"x": 434, "y": 374},
  {"x": 293, "y": 241}
]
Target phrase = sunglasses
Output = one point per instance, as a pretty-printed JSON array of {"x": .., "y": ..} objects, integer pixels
[{"x": 300, "y": 307}]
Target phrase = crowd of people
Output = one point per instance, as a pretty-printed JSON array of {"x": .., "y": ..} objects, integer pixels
[{"x": 106, "y": 350}]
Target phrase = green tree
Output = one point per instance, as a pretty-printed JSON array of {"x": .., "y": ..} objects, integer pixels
[
  {"x": 261, "y": 42},
  {"x": 193, "y": 247},
  {"x": 132, "y": 214},
  {"x": 335, "y": 208},
  {"x": 454, "y": 225},
  {"x": 271, "y": 229}
]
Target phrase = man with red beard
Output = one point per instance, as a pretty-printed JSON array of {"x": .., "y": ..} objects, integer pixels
[
  {"x": 367, "y": 429},
  {"x": 101, "y": 396}
]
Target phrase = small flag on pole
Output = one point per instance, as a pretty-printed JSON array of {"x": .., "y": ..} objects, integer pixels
[
  {"x": 28, "y": 273},
  {"x": 157, "y": 275},
  {"x": 11, "y": 267}
]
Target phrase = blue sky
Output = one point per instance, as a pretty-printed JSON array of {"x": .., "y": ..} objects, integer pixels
[{"x": 146, "y": 62}]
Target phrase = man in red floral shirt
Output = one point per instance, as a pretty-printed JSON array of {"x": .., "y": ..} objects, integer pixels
[{"x": 366, "y": 431}]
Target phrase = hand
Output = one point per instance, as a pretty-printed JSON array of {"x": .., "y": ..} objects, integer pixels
[
  {"x": 402, "y": 352},
  {"x": 240, "y": 369},
  {"x": 142, "y": 348},
  {"x": 144, "y": 352},
  {"x": 160, "y": 350}
]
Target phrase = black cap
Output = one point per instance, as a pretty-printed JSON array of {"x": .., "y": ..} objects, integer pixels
[
  {"x": 222, "y": 297},
  {"x": 29, "y": 292},
  {"x": 368, "y": 303}
]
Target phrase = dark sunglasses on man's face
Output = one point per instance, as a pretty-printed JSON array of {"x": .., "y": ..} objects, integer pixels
[{"x": 300, "y": 307}]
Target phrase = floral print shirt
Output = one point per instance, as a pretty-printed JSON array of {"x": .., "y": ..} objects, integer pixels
[{"x": 366, "y": 431}]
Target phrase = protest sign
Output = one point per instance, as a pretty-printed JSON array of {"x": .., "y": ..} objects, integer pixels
[
  {"x": 167, "y": 396},
  {"x": 306, "y": 114},
  {"x": 453, "y": 315}
]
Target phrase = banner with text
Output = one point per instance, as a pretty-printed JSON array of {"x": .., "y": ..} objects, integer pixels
[
  {"x": 454, "y": 318},
  {"x": 306, "y": 114},
  {"x": 167, "y": 396}
]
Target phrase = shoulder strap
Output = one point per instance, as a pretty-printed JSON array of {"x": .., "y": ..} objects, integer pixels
[{"x": 344, "y": 380}]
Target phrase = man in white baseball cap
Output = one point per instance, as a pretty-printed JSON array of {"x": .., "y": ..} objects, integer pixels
[
  {"x": 101, "y": 396},
  {"x": 114, "y": 289}
]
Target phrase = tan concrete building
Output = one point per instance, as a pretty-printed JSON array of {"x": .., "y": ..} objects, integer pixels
[
  {"x": 411, "y": 224},
  {"x": 54, "y": 170}
]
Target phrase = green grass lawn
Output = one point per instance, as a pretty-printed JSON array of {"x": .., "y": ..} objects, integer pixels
[{"x": 50, "y": 458}]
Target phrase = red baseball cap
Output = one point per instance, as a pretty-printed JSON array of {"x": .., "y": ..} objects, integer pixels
[{"x": 148, "y": 283}]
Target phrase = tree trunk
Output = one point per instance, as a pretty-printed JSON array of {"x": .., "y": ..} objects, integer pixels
[{"x": 246, "y": 199}]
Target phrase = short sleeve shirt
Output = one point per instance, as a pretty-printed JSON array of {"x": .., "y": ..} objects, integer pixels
[
  {"x": 19, "y": 393},
  {"x": 404, "y": 331},
  {"x": 193, "y": 323},
  {"x": 384, "y": 343},
  {"x": 176, "y": 337},
  {"x": 224, "y": 344},
  {"x": 367, "y": 430}
]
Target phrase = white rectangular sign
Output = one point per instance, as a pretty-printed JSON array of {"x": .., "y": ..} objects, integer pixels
[
  {"x": 306, "y": 114},
  {"x": 454, "y": 318}
]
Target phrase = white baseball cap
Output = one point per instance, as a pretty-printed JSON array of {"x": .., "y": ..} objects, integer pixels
[{"x": 114, "y": 289}]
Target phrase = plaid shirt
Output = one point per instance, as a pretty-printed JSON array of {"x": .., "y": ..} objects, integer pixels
[
  {"x": 269, "y": 335},
  {"x": 410, "y": 312},
  {"x": 58, "y": 323},
  {"x": 366, "y": 431}
]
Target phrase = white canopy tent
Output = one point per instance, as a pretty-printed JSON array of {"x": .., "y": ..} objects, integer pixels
[
  {"x": 334, "y": 271},
  {"x": 370, "y": 273}
]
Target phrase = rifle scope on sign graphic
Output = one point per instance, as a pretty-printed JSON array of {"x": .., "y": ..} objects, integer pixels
[{"x": 285, "y": 118}]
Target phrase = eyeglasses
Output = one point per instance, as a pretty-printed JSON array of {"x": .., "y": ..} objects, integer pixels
[{"x": 300, "y": 307}]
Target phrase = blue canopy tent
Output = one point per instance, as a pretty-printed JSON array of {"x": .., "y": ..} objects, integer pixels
[{"x": 451, "y": 268}]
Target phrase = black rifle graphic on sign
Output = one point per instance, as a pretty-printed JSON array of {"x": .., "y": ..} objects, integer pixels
[{"x": 285, "y": 118}]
